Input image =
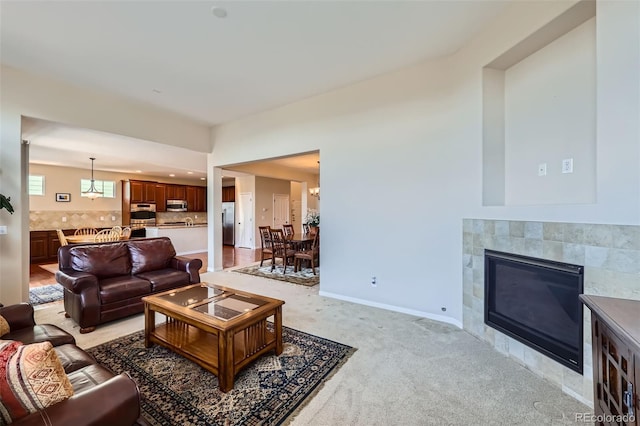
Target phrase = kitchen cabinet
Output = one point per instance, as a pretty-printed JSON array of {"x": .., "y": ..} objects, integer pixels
[
  {"x": 161, "y": 197},
  {"x": 142, "y": 191},
  {"x": 196, "y": 198},
  {"x": 176, "y": 192},
  {"x": 228, "y": 194},
  {"x": 44, "y": 245},
  {"x": 616, "y": 359}
]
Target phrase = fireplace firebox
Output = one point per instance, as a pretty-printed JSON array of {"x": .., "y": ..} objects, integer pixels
[{"x": 535, "y": 301}]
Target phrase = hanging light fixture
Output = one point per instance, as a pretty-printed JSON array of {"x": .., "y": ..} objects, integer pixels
[{"x": 92, "y": 192}]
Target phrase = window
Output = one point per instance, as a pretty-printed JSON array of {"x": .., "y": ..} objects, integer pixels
[
  {"x": 36, "y": 185},
  {"x": 107, "y": 187}
]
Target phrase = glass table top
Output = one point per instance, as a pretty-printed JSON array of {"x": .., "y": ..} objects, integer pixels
[{"x": 210, "y": 300}]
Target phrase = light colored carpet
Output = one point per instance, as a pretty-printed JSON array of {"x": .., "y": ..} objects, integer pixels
[{"x": 407, "y": 370}]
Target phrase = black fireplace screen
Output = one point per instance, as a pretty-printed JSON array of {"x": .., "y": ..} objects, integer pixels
[{"x": 535, "y": 301}]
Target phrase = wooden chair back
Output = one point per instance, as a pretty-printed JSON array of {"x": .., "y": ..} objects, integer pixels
[
  {"x": 106, "y": 235},
  {"x": 85, "y": 231},
  {"x": 288, "y": 230},
  {"x": 62, "y": 238},
  {"x": 281, "y": 249},
  {"x": 117, "y": 229},
  {"x": 265, "y": 237}
]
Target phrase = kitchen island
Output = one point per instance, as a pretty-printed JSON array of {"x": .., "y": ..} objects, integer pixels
[{"x": 185, "y": 239}]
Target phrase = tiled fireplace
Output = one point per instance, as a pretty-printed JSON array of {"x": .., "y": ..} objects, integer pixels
[{"x": 611, "y": 258}]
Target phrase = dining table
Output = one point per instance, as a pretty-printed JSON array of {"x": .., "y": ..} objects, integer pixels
[{"x": 299, "y": 242}]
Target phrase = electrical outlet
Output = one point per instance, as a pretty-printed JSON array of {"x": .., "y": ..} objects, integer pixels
[
  {"x": 113, "y": 218},
  {"x": 374, "y": 282},
  {"x": 3, "y": 230},
  {"x": 64, "y": 218},
  {"x": 567, "y": 165},
  {"x": 101, "y": 217}
]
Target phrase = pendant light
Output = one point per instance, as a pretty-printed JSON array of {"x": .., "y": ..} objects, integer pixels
[{"x": 92, "y": 192}]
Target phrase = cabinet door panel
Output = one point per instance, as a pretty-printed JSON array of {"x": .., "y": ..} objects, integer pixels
[
  {"x": 39, "y": 246},
  {"x": 161, "y": 197},
  {"x": 191, "y": 198},
  {"x": 137, "y": 192}
]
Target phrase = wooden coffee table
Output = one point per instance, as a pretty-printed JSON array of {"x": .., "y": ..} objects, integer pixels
[{"x": 219, "y": 328}]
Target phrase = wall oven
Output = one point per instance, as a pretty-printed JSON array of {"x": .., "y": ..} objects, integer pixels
[{"x": 142, "y": 215}]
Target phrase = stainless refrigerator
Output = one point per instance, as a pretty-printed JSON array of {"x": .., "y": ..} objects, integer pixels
[{"x": 228, "y": 222}]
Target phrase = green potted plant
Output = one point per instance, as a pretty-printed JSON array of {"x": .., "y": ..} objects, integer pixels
[
  {"x": 313, "y": 218},
  {"x": 5, "y": 203}
]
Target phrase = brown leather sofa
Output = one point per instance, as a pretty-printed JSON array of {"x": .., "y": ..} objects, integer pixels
[
  {"x": 100, "y": 397},
  {"x": 106, "y": 281}
]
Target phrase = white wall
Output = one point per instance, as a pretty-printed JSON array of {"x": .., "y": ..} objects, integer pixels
[
  {"x": 29, "y": 95},
  {"x": 550, "y": 115},
  {"x": 425, "y": 124}
]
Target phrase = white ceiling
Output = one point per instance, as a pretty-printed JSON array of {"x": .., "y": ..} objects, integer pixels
[{"x": 178, "y": 56}]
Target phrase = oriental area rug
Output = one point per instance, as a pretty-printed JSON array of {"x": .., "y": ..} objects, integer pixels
[
  {"x": 303, "y": 277},
  {"x": 176, "y": 391}
]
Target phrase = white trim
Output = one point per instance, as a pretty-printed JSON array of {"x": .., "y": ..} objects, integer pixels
[
  {"x": 440, "y": 318},
  {"x": 204, "y": 250}
]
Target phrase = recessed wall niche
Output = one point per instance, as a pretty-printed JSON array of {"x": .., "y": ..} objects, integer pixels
[{"x": 539, "y": 108}]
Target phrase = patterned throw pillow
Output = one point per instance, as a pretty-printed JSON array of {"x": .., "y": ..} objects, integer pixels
[
  {"x": 4, "y": 326},
  {"x": 31, "y": 379}
]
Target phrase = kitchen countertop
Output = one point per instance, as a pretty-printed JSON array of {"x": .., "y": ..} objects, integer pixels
[{"x": 172, "y": 226}]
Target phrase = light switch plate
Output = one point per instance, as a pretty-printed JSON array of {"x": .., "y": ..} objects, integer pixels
[
  {"x": 3, "y": 230},
  {"x": 542, "y": 169}
]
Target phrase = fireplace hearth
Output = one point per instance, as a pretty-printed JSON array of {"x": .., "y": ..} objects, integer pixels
[{"x": 535, "y": 301}]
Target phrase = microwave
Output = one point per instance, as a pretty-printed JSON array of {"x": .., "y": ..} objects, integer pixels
[{"x": 176, "y": 206}]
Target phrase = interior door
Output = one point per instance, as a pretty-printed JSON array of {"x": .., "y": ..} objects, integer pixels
[
  {"x": 244, "y": 216},
  {"x": 280, "y": 210}
]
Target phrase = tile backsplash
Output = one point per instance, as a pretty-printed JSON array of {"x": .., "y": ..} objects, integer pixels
[{"x": 71, "y": 219}]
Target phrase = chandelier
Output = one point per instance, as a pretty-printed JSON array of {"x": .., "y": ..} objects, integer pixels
[{"x": 92, "y": 192}]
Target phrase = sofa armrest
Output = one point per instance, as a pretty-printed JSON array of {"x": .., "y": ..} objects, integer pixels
[
  {"x": 192, "y": 266},
  {"x": 76, "y": 281},
  {"x": 18, "y": 316},
  {"x": 114, "y": 402}
]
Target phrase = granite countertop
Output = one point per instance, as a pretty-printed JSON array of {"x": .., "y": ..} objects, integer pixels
[{"x": 177, "y": 225}]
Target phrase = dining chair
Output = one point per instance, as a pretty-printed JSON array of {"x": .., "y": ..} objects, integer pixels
[
  {"x": 62, "y": 238},
  {"x": 106, "y": 235},
  {"x": 265, "y": 242},
  {"x": 280, "y": 249},
  {"x": 310, "y": 254},
  {"x": 126, "y": 233},
  {"x": 305, "y": 228},
  {"x": 85, "y": 230},
  {"x": 117, "y": 229},
  {"x": 288, "y": 230}
]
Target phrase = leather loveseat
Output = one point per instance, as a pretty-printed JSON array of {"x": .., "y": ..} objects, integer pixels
[
  {"x": 106, "y": 281},
  {"x": 99, "y": 396}
]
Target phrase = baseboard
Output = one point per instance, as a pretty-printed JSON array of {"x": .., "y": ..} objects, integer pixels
[
  {"x": 439, "y": 318},
  {"x": 182, "y": 253}
]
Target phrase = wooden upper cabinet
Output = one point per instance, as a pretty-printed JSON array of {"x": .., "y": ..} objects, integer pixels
[
  {"x": 191, "y": 198},
  {"x": 142, "y": 192},
  {"x": 228, "y": 193},
  {"x": 201, "y": 199},
  {"x": 161, "y": 197},
  {"x": 176, "y": 192}
]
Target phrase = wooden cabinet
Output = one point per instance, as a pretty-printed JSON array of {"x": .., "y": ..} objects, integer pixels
[
  {"x": 161, "y": 197},
  {"x": 615, "y": 326},
  {"x": 44, "y": 245},
  {"x": 142, "y": 191},
  {"x": 228, "y": 194},
  {"x": 196, "y": 198},
  {"x": 39, "y": 246},
  {"x": 176, "y": 192}
]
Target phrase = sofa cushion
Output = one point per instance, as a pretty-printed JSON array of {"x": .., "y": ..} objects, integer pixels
[
  {"x": 73, "y": 358},
  {"x": 150, "y": 255},
  {"x": 4, "y": 326},
  {"x": 41, "y": 333},
  {"x": 102, "y": 260},
  {"x": 89, "y": 377},
  {"x": 165, "y": 279},
  {"x": 122, "y": 288},
  {"x": 31, "y": 379}
]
